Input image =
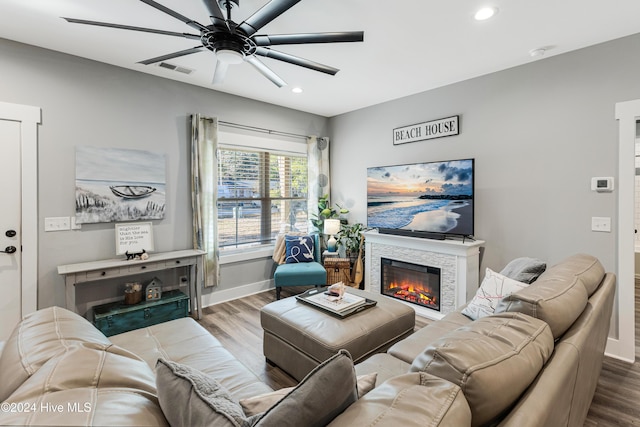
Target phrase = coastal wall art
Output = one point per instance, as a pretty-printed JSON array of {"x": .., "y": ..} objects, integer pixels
[{"x": 119, "y": 184}]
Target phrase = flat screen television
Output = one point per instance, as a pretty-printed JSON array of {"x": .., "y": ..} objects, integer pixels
[{"x": 431, "y": 199}]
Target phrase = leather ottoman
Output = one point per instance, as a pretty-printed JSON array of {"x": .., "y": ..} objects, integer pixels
[{"x": 298, "y": 337}]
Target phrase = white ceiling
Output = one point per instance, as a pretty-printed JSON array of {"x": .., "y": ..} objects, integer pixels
[{"x": 410, "y": 45}]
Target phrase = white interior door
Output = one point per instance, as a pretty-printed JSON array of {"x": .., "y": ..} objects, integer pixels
[
  {"x": 18, "y": 213},
  {"x": 10, "y": 227}
]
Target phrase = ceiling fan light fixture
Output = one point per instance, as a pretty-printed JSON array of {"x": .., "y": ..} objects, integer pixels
[
  {"x": 229, "y": 57},
  {"x": 485, "y": 13}
]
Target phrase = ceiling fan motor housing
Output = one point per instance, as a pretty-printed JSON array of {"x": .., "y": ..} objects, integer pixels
[
  {"x": 217, "y": 41},
  {"x": 223, "y": 3}
]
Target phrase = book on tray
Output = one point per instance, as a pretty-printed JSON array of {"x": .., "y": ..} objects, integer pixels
[{"x": 345, "y": 302}]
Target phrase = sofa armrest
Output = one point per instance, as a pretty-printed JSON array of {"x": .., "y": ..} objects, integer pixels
[{"x": 415, "y": 399}]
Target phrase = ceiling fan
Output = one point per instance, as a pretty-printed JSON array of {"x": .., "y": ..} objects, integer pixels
[{"x": 234, "y": 43}]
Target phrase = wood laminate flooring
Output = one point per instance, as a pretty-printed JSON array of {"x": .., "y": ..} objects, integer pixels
[{"x": 236, "y": 324}]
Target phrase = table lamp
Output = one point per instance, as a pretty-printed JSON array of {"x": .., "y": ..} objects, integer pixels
[{"x": 331, "y": 227}]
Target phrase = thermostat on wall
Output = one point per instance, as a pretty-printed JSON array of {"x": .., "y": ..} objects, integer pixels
[{"x": 602, "y": 183}]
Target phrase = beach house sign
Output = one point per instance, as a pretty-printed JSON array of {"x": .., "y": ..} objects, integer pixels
[{"x": 427, "y": 130}]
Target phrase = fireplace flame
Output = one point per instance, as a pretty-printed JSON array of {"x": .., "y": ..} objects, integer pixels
[{"x": 413, "y": 292}]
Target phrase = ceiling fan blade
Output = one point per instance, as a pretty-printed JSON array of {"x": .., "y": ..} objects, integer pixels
[
  {"x": 295, "y": 60},
  {"x": 266, "y": 14},
  {"x": 188, "y": 21},
  {"x": 214, "y": 11},
  {"x": 129, "y": 27},
  {"x": 265, "y": 71},
  {"x": 172, "y": 55},
  {"x": 302, "y": 38},
  {"x": 220, "y": 73}
]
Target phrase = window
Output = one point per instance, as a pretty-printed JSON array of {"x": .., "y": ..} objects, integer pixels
[{"x": 259, "y": 193}]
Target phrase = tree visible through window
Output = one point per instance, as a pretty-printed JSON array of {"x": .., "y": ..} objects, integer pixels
[{"x": 260, "y": 193}]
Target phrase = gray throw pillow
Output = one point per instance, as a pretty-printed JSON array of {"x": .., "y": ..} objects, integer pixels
[
  {"x": 524, "y": 269},
  {"x": 189, "y": 398},
  {"x": 320, "y": 397},
  {"x": 261, "y": 403}
]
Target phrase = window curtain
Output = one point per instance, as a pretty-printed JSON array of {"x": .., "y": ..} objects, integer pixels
[
  {"x": 318, "y": 173},
  {"x": 204, "y": 193}
]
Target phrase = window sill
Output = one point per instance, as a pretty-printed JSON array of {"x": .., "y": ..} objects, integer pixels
[{"x": 246, "y": 255}]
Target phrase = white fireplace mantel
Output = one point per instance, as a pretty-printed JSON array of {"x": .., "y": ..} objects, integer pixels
[{"x": 458, "y": 261}]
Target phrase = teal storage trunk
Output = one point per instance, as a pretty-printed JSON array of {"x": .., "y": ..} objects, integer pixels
[{"x": 118, "y": 317}]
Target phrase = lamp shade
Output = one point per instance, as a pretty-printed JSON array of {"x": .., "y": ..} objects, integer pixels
[{"x": 331, "y": 226}]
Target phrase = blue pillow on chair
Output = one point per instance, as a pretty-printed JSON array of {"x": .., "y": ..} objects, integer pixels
[{"x": 299, "y": 249}]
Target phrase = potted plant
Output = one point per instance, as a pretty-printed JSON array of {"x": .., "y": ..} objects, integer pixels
[
  {"x": 325, "y": 211},
  {"x": 350, "y": 238}
]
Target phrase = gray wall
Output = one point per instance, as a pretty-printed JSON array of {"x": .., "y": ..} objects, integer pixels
[
  {"x": 89, "y": 103},
  {"x": 538, "y": 133}
]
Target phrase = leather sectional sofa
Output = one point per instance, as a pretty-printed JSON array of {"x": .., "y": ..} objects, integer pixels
[{"x": 536, "y": 362}]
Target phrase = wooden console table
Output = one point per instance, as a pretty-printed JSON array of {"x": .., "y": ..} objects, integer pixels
[{"x": 77, "y": 274}]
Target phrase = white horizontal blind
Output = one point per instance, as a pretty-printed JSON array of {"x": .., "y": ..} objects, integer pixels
[{"x": 260, "y": 193}]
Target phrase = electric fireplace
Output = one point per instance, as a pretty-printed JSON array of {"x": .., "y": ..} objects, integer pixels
[{"x": 417, "y": 284}]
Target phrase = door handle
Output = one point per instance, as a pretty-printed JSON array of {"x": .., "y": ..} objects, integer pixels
[{"x": 9, "y": 250}]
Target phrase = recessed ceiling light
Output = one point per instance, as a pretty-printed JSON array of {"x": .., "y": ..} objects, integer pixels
[
  {"x": 485, "y": 13},
  {"x": 296, "y": 90},
  {"x": 540, "y": 51},
  {"x": 537, "y": 52}
]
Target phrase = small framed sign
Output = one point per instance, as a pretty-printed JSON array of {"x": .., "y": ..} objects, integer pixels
[
  {"x": 427, "y": 130},
  {"x": 134, "y": 237}
]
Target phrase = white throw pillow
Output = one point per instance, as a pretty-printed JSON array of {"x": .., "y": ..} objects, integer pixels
[{"x": 494, "y": 287}]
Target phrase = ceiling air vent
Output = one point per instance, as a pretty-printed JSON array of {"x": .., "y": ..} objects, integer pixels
[{"x": 173, "y": 67}]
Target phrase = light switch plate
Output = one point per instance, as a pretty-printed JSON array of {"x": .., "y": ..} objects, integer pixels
[
  {"x": 57, "y": 223},
  {"x": 602, "y": 224}
]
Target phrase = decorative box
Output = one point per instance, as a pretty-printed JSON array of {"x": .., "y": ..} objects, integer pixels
[
  {"x": 118, "y": 317},
  {"x": 338, "y": 270}
]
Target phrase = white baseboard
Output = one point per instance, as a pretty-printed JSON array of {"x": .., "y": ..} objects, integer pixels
[
  {"x": 216, "y": 297},
  {"x": 613, "y": 350}
]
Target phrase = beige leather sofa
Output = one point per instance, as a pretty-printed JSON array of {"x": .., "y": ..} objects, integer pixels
[
  {"x": 555, "y": 329},
  {"x": 535, "y": 364}
]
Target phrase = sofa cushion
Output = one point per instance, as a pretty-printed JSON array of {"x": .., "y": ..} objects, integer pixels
[
  {"x": 407, "y": 349},
  {"x": 383, "y": 365},
  {"x": 524, "y": 269},
  {"x": 190, "y": 398},
  {"x": 261, "y": 403},
  {"x": 493, "y": 288},
  {"x": 37, "y": 338},
  {"x": 299, "y": 249},
  {"x": 493, "y": 360},
  {"x": 175, "y": 340},
  {"x": 559, "y": 295},
  {"x": 409, "y": 400},
  {"x": 87, "y": 385},
  {"x": 586, "y": 268},
  {"x": 322, "y": 395}
]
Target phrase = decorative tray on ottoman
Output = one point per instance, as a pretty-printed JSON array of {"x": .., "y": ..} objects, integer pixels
[{"x": 348, "y": 305}]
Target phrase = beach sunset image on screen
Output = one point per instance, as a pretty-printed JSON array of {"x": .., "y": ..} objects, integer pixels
[{"x": 434, "y": 197}]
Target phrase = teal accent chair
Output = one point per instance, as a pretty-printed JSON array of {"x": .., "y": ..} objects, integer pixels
[{"x": 302, "y": 273}]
